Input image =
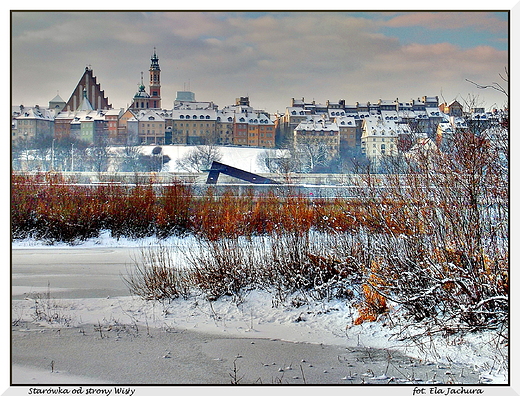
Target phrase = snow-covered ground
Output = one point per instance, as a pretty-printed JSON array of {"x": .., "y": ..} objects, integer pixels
[
  {"x": 316, "y": 322},
  {"x": 249, "y": 159}
]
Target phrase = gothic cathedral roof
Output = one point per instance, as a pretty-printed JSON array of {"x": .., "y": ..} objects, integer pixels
[{"x": 88, "y": 86}]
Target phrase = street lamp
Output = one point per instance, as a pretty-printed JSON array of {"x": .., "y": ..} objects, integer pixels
[
  {"x": 72, "y": 157},
  {"x": 52, "y": 155}
]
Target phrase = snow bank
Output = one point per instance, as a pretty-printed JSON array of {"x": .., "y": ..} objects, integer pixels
[{"x": 318, "y": 322}]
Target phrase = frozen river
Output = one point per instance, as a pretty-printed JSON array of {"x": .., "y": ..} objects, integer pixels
[
  {"x": 72, "y": 272},
  {"x": 187, "y": 342}
]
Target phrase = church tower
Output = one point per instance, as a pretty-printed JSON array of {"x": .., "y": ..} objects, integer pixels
[
  {"x": 88, "y": 86},
  {"x": 141, "y": 98},
  {"x": 155, "y": 82}
]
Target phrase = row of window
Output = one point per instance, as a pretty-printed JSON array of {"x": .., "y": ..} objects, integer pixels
[
  {"x": 193, "y": 125},
  {"x": 318, "y": 133},
  {"x": 383, "y": 146}
]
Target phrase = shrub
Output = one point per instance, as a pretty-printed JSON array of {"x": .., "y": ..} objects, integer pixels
[
  {"x": 374, "y": 303},
  {"x": 155, "y": 275},
  {"x": 222, "y": 267},
  {"x": 174, "y": 209}
]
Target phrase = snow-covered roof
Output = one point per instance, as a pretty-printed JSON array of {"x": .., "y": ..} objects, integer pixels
[
  {"x": 88, "y": 116},
  {"x": 406, "y": 113},
  {"x": 317, "y": 125},
  {"x": 387, "y": 103},
  {"x": 192, "y": 105},
  {"x": 113, "y": 112},
  {"x": 421, "y": 114},
  {"x": 336, "y": 113},
  {"x": 389, "y": 115},
  {"x": 434, "y": 112},
  {"x": 480, "y": 116},
  {"x": 297, "y": 111},
  {"x": 454, "y": 103},
  {"x": 141, "y": 94},
  {"x": 459, "y": 122},
  {"x": 85, "y": 104},
  {"x": 422, "y": 145},
  {"x": 149, "y": 115},
  {"x": 253, "y": 118},
  {"x": 378, "y": 126},
  {"x": 445, "y": 127},
  {"x": 194, "y": 114},
  {"x": 35, "y": 113},
  {"x": 345, "y": 121}
]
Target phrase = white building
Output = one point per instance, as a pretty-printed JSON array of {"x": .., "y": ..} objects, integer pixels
[{"x": 380, "y": 137}]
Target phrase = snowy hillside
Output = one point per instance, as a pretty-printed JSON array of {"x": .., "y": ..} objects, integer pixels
[{"x": 245, "y": 158}]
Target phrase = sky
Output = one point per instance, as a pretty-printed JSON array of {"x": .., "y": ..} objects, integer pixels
[{"x": 271, "y": 57}]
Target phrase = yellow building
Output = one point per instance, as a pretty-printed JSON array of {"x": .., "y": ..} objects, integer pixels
[
  {"x": 318, "y": 131},
  {"x": 193, "y": 126},
  {"x": 151, "y": 127}
]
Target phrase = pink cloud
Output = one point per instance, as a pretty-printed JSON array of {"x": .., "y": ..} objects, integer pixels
[{"x": 449, "y": 20}]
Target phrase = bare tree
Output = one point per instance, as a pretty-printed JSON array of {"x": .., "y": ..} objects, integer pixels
[
  {"x": 199, "y": 159},
  {"x": 130, "y": 160},
  {"x": 99, "y": 157},
  {"x": 451, "y": 269},
  {"x": 494, "y": 85},
  {"x": 313, "y": 156}
]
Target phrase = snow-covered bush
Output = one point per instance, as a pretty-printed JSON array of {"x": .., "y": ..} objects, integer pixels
[
  {"x": 222, "y": 267},
  {"x": 155, "y": 276},
  {"x": 441, "y": 234}
]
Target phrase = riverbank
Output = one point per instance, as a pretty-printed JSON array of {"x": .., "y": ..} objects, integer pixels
[{"x": 57, "y": 291}]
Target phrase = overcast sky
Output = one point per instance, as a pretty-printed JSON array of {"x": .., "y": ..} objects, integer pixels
[{"x": 269, "y": 56}]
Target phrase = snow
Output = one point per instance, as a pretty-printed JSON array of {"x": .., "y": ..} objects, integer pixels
[
  {"x": 245, "y": 158},
  {"x": 318, "y": 322}
]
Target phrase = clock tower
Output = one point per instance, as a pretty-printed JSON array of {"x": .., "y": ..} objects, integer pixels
[{"x": 155, "y": 82}]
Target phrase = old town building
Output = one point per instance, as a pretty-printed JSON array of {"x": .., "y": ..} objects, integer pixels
[{"x": 373, "y": 128}]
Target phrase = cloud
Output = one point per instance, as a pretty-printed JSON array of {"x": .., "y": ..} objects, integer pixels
[
  {"x": 270, "y": 56},
  {"x": 450, "y": 20}
]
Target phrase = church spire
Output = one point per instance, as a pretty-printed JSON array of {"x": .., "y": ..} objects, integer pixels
[
  {"x": 155, "y": 81},
  {"x": 85, "y": 104},
  {"x": 155, "y": 61}
]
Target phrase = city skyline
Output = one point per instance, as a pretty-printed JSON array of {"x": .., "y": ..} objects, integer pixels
[{"x": 269, "y": 56}]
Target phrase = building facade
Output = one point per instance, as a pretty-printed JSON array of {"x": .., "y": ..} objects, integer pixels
[
  {"x": 151, "y": 127},
  {"x": 319, "y": 132},
  {"x": 31, "y": 123}
]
